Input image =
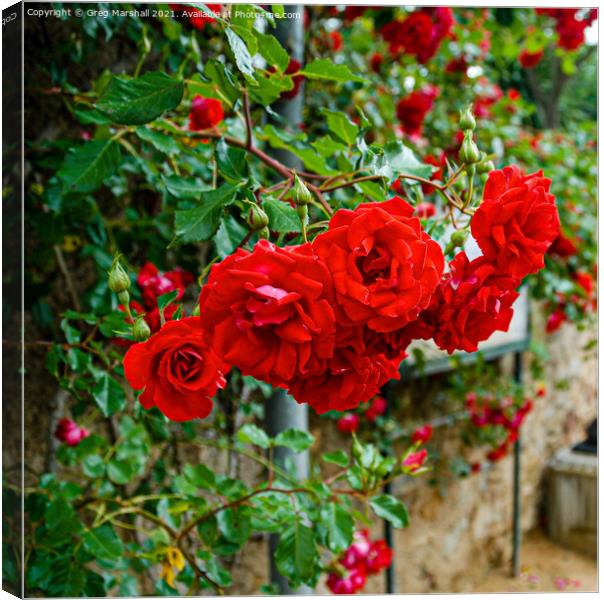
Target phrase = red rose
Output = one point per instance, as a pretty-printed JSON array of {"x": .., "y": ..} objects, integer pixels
[
  {"x": 563, "y": 246},
  {"x": 348, "y": 423},
  {"x": 380, "y": 557},
  {"x": 473, "y": 301},
  {"x": 555, "y": 320},
  {"x": 422, "y": 435},
  {"x": 179, "y": 373},
  {"x": 378, "y": 407},
  {"x": 198, "y": 18},
  {"x": 585, "y": 281},
  {"x": 412, "y": 35},
  {"x": 571, "y": 32},
  {"x": 336, "y": 40},
  {"x": 457, "y": 65},
  {"x": 351, "y": 377},
  {"x": 412, "y": 110},
  {"x": 377, "y": 59},
  {"x": 293, "y": 66},
  {"x": 513, "y": 95},
  {"x": 205, "y": 113},
  {"x": 384, "y": 266},
  {"x": 529, "y": 60},
  {"x": 69, "y": 432},
  {"x": 268, "y": 312},
  {"x": 153, "y": 284},
  {"x": 425, "y": 210},
  {"x": 517, "y": 221},
  {"x": 415, "y": 460}
]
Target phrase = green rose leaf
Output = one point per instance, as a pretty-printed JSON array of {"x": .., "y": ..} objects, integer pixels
[
  {"x": 200, "y": 223},
  {"x": 108, "y": 394},
  {"x": 389, "y": 508},
  {"x": 323, "y": 68},
  {"x": 243, "y": 57},
  {"x": 295, "y": 439},
  {"x": 103, "y": 543},
  {"x": 141, "y": 100},
  {"x": 86, "y": 167},
  {"x": 342, "y": 126},
  {"x": 282, "y": 217},
  {"x": 297, "y": 552},
  {"x": 340, "y": 527},
  {"x": 339, "y": 457},
  {"x": 252, "y": 434}
]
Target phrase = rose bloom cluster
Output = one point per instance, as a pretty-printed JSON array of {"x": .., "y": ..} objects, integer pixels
[
  {"x": 360, "y": 560},
  {"x": 488, "y": 412},
  {"x": 153, "y": 284},
  {"x": 569, "y": 27},
  {"x": 330, "y": 320},
  {"x": 420, "y": 34}
]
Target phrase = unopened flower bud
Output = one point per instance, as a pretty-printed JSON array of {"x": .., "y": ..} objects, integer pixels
[
  {"x": 458, "y": 238},
  {"x": 118, "y": 278},
  {"x": 471, "y": 170},
  {"x": 264, "y": 233},
  {"x": 124, "y": 297},
  {"x": 303, "y": 213},
  {"x": 357, "y": 449},
  {"x": 257, "y": 218},
  {"x": 485, "y": 167},
  {"x": 140, "y": 330},
  {"x": 469, "y": 152},
  {"x": 467, "y": 122},
  {"x": 302, "y": 195}
]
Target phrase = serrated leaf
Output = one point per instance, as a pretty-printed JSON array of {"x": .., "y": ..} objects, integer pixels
[
  {"x": 323, "y": 68},
  {"x": 200, "y": 223},
  {"x": 108, "y": 395},
  {"x": 86, "y": 167},
  {"x": 243, "y": 58},
  {"x": 282, "y": 217},
  {"x": 103, "y": 542},
  {"x": 295, "y": 439},
  {"x": 160, "y": 141},
  {"x": 389, "y": 508},
  {"x": 341, "y": 125},
  {"x": 402, "y": 160},
  {"x": 252, "y": 434},
  {"x": 185, "y": 188},
  {"x": 272, "y": 51},
  {"x": 232, "y": 163},
  {"x": 141, "y": 100},
  {"x": 120, "y": 471},
  {"x": 229, "y": 235}
]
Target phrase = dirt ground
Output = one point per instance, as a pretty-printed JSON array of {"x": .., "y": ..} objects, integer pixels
[{"x": 546, "y": 567}]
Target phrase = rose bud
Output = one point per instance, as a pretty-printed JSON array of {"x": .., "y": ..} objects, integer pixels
[
  {"x": 348, "y": 423},
  {"x": 69, "y": 432},
  {"x": 205, "y": 113},
  {"x": 422, "y": 435},
  {"x": 257, "y": 218},
  {"x": 425, "y": 210},
  {"x": 118, "y": 278},
  {"x": 414, "y": 460},
  {"x": 141, "y": 330},
  {"x": 467, "y": 122}
]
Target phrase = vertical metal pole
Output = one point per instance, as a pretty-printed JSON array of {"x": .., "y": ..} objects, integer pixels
[
  {"x": 282, "y": 411},
  {"x": 517, "y": 532},
  {"x": 389, "y": 575}
]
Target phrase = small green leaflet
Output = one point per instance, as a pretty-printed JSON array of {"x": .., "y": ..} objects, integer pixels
[
  {"x": 340, "y": 527},
  {"x": 86, "y": 167},
  {"x": 295, "y": 439},
  {"x": 389, "y": 508},
  {"x": 251, "y": 434},
  {"x": 185, "y": 188},
  {"x": 166, "y": 299},
  {"x": 323, "y": 68},
  {"x": 342, "y": 126},
  {"x": 243, "y": 58},
  {"x": 200, "y": 223},
  {"x": 272, "y": 51},
  {"x": 103, "y": 543},
  {"x": 297, "y": 552},
  {"x": 108, "y": 394},
  {"x": 339, "y": 457},
  {"x": 141, "y": 100},
  {"x": 160, "y": 141},
  {"x": 282, "y": 217}
]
